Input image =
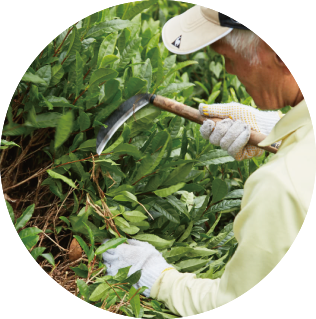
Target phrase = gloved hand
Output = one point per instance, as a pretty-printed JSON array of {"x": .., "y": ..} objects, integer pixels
[
  {"x": 232, "y": 134},
  {"x": 139, "y": 255}
]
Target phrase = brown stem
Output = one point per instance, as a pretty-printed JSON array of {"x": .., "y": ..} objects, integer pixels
[
  {"x": 87, "y": 73},
  {"x": 82, "y": 93},
  {"x": 134, "y": 295},
  {"x": 144, "y": 177},
  {"x": 57, "y": 51},
  {"x": 84, "y": 159},
  {"x": 239, "y": 171}
]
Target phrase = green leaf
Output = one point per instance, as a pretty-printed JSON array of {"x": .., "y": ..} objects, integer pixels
[
  {"x": 25, "y": 217},
  {"x": 14, "y": 130},
  {"x": 126, "y": 197},
  {"x": 91, "y": 237},
  {"x": 216, "y": 240},
  {"x": 155, "y": 304},
  {"x": 63, "y": 178},
  {"x": 44, "y": 120},
  {"x": 107, "y": 47},
  {"x": 108, "y": 27},
  {"x": 83, "y": 288},
  {"x": 179, "y": 174},
  {"x": 78, "y": 226},
  {"x": 187, "y": 233},
  {"x": 84, "y": 121},
  {"x": 134, "y": 278},
  {"x": 131, "y": 230},
  {"x": 178, "y": 204},
  {"x": 36, "y": 252},
  {"x": 56, "y": 101},
  {"x": 137, "y": 8},
  {"x": 226, "y": 205},
  {"x": 156, "y": 62},
  {"x": 201, "y": 252},
  {"x": 124, "y": 187},
  {"x": 88, "y": 145},
  {"x": 122, "y": 274},
  {"x": 83, "y": 244},
  {"x": 77, "y": 167},
  {"x": 156, "y": 241},
  {"x": 215, "y": 157},
  {"x": 153, "y": 42},
  {"x": 219, "y": 189},
  {"x": 237, "y": 193},
  {"x": 143, "y": 225},
  {"x": 45, "y": 73},
  {"x": 79, "y": 74},
  {"x": 146, "y": 73},
  {"x": 64, "y": 128},
  {"x": 134, "y": 216},
  {"x": 111, "y": 88},
  {"x": 169, "y": 191},
  {"x": 49, "y": 257},
  {"x": 176, "y": 253},
  {"x": 202, "y": 86},
  {"x": 123, "y": 40},
  {"x": 10, "y": 210},
  {"x": 121, "y": 222},
  {"x": 134, "y": 86},
  {"x": 29, "y": 236},
  {"x": 210, "y": 231},
  {"x": 167, "y": 210},
  {"x": 174, "y": 127},
  {"x": 33, "y": 78},
  {"x": 81, "y": 271},
  {"x": 130, "y": 50},
  {"x": 216, "y": 68},
  {"x": 180, "y": 66},
  {"x": 128, "y": 149},
  {"x": 213, "y": 97},
  {"x": 57, "y": 74},
  {"x": 134, "y": 300},
  {"x": 143, "y": 168},
  {"x": 112, "y": 243},
  {"x": 157, "y": 157},
  {"x": 101, "y": 75},
  {"x": 174, "y": 88},
  {"x": 99, "y": 292},
  {"x": 108, "y": 59},
  {"x": 143, "y": 119},
  {"x": 191, "y": 265},
  {"x": 65, "y": 219},
  {"x": 75, "y": 43}
]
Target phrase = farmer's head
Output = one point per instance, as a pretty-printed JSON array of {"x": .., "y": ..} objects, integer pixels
[{"x": 264, "y": 75}]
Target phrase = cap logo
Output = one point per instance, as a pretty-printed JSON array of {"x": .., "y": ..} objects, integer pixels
[{"x": 177, "y": 42}]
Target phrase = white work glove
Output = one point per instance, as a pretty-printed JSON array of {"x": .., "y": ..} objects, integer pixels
[
  {"x": 232, "y": 134},
  {"x": 139, "y": 255}
]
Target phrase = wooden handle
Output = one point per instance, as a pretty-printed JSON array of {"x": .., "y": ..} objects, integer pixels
[{"x": 194, "y": 115}]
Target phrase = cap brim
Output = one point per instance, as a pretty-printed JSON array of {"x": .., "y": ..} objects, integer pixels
[{"x": 190, "y": 32}]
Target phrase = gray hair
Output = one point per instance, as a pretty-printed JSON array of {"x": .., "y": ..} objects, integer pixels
[{"x": 244, "y": 42}]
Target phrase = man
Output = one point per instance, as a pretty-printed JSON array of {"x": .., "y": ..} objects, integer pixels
[{"x": 276, "y": 197}]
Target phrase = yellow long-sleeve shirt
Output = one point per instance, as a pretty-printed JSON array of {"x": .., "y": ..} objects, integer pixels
[{"x": 275, "y": 203}]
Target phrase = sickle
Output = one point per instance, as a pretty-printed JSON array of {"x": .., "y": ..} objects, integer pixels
[{"x": 137, "y": 102}]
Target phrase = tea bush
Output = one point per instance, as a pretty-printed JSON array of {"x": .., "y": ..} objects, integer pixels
[{"x": 157, "y": 180}]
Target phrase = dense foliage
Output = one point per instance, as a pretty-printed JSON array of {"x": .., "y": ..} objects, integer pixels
[{"x": 157, "y": 180}]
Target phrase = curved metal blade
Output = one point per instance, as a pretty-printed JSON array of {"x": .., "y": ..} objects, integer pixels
[{"x": 118, "y": 117}]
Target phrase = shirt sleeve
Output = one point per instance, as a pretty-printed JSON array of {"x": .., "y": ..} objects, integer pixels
[{"x": 265, "y": 228}]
